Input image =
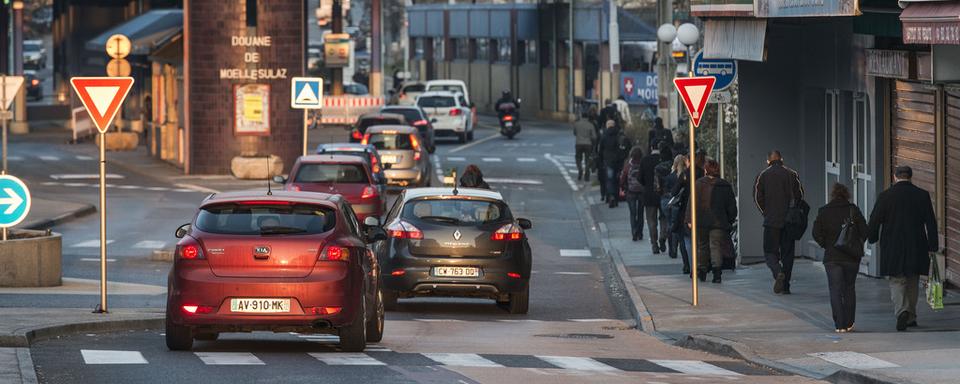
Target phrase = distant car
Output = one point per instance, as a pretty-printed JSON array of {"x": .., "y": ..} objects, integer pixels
[
  {"x": 455, "y": 243},
  {"x": 404, "y": 156},
  {"x": 409, "y": 92},
  {"x": 33, "y": 85},
  {"x": 367, "y": 152},
  {"x": 416, "y": 117},
  {"x": 355, "y": 89},
  {"x": 450, "y": 110},
  {"x": 455, "y": 86},
  {"x": 34, "y": 54},
  {"x": 370, "y": 119},
  {"x": 284, "y": 262},
  {"x": 339, "y": 174}
]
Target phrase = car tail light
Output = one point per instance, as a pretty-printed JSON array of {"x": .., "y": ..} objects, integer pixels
[
  {"x": 356, "y": 135},
  {"x": 366, "y": 139},
  {"x": 455, "y": 112},
  {"x": 404, "y": 230},
  {"x": 189, "y": 250},
  {"x": 419, "y": 123},
  {"x": 398, "y": 272},
  {"x": 375, "y": 165},
  {"x": 513, "y": 275},
  {"x": 197, "y": 309},
  {"x": 334, "y": 253},
  {"x": 507, "y": 118},
  {"x": 325, "y": 310},
  {"x": 416, "y": 147},
  {"x": 35, "y": 82},
  {"x": 507, "y": 232},
  {"x": 369, "y": 192}
]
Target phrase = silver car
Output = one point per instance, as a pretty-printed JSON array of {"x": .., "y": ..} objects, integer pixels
[{"x": 403, "y": 152}]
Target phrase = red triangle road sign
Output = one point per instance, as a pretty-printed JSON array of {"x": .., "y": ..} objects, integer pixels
[
  {"x": 102, "y": 97},
  {"x": 695, "y": 91}
]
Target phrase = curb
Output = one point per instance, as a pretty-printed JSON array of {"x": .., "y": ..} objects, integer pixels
[
  {"x": 88, "y": 209},
  {"x": 25, "y": 339}
]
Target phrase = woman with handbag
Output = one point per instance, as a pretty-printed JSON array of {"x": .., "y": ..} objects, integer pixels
[{"x": 841, "y": 230}]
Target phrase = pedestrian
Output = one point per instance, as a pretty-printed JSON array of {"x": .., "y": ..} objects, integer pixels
[
  {"x": 583, "y": 146},
  {"x": 656, "y": 224},
  {"x": 671, "y": 205},
  {"x": 716, "y": 213},
  {"x": 906, "y": 227},
  {"x": 610, "y": 112},
  {"x": 841, "y": 266},
  {"x": 682, "y": 189},
  {"x": 777, "y": 188},
  {"x": 631, "y": 180},
  {"x": 611, "y": 156},
  {"x": 473, "y": 178},
  {"x": 659, "y": 134},
  {"x": 623, "y": 110}
]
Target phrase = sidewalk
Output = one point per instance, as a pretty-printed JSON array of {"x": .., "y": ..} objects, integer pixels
[{"x": 744, "y": 318}]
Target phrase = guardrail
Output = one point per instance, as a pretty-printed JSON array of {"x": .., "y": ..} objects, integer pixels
[{"x": 344, "y": 110}]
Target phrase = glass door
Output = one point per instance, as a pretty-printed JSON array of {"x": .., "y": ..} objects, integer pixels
[
  {"x": 832, "y": 133},
  {"x": 861, "y": 168}
]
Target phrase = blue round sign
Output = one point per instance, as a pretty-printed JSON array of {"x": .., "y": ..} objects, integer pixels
[
  {"x": 724, "y": 70},
  {"x": 14, "y": 201}
]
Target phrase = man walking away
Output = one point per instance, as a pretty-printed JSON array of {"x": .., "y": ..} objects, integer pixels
[
  {"x": 585, "y": 139},
  {"x": 659, "y": 134},
  {"x": 630, "y": 179},
  {"x": 660, "y": 175},
  {"x": 612, "y": 159},
  {"x": 841, "y": 265},
  {"x": 904, "y": 223},
  {"x": 716, "y": 213},
  {"x": 651, "y": 201},
  {"x": 623, "y": 109},
  {"x": 776, "y": 188},
  {"x": 609, "y": 112}
]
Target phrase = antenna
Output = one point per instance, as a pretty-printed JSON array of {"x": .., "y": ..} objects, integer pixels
[
  {"x": 269, "y": 191},
  {"x": 455, "y": 191}
]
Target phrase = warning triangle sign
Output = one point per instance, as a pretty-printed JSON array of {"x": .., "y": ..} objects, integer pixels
[
  {"x": 102, "y": 97},
  {"x": 695, "y": 91}
]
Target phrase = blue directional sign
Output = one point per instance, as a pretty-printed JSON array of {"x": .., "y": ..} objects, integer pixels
[
  {"x": 306, "y": 93},
  {"x": 639, "y": 87},
  {"x": 14, "y": 201},
  {"x": 724, "y": 70}
]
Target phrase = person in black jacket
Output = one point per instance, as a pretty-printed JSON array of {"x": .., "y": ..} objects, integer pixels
[
  {"x": 682, "y": 190},
  {"x": 716, "y": 213},
  {"x": 672, "y": 211},
  {"x": 841, "y": 267},
  {"x": 473, "y": 178},
  {"x": 612, "y": 155},
  {"x": 651, "y": 202},
  {"x": 904, "y": 223},
  {"x": 630, "y": 179},
  {"x": 777, "y": 187},
  {"x": 659, "y": 134}
]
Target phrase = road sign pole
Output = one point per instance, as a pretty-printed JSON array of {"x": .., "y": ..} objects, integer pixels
[
  {"x": 720, "y": 134},
  {"x": 3, "y": 103},
  {"x": 693, "y": 197},
  {"x": 103, "y": 224},
  {"x": 306, "y": 135}
]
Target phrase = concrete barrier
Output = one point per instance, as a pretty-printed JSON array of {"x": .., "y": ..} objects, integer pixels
[{"x": 30, "y": 259}]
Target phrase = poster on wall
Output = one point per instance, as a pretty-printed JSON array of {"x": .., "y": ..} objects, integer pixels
[
  {"x": 251, "y": 109},
  {"x": 639, "y": 87}
]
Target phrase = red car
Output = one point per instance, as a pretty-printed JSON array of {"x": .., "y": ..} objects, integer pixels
[
  {"x": 281, "y": 262},
  {"x": 346, "y": 175}
]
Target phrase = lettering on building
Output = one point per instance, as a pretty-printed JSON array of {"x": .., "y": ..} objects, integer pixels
[
  {"x": 252, "y": 57},
  {"x": 931, "y": 33},
  {"x": 889, "y": 63}
]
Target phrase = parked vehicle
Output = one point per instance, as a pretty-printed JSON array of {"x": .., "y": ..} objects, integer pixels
[
  {"x": 339, "y": 174},
  {"x": 451, "y": 113},
  {"x": 281, "y": 262},
  {"x": 405, "y": 159},
  {"x": 455, "y": 86},
  {"x": 418, "y": 119},
  {"x": 370, "y": 119}
]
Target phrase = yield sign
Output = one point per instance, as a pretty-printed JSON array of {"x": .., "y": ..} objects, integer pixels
[
  {"x": 102, "y": 97},
  {"x": 11, "y": 85},
  {"x": 695, "y": 91}
]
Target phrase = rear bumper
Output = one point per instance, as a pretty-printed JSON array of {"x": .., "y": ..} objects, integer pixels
[
  {"x": 418, "y": 279},
  {"x": 403, "y": 176},
  {"x": 441, "y": 128}
]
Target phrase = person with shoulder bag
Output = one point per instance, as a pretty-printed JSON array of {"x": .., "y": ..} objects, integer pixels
[
  {"x": 840, "y": 229},
  {"x": 630, "y": 179}
]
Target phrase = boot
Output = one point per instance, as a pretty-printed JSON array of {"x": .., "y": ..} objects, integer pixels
[
  {"x": 702, "y": 274},
  {"x": 716, "y": 275}
]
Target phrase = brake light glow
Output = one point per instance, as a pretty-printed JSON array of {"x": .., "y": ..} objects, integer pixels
[
  {"x": 366, "y": 139},
  {"x": 35, "y": 82},
  {"x": 325, "y": 310},
  {"x": 455, "y": 112},
  {"x": 398, "y": 272},
  {"x": 507, "y": 232},
  {"x": 507, "y": 118},
  {"x": 368, "y": 192},
  {"x": 513, "y": 275},
  {"x": 404, "y": 230},
  {"x": 374, "y": 163},
  {"x": 189, "y": 250},
  {"x": 416, "y": 147},
  {"x": 334, "y": 253},
  {"x": 197, "y": 309},
  {"x": 419, "y": 123},
  {"x": 356, "y": 135}
]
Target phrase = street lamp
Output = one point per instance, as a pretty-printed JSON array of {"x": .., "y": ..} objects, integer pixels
[{"x": 666, "y": 34}]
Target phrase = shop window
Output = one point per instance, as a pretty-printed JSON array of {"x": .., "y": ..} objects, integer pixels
[
  {"x": 502, "y": 50},
  {"x": 461, "y": 49},
  {"x": 418, "y": 47},
  {"x": 481, "y": 50},
  {"x": 438, "y": 49},
  {"x": 527, "y": 51}
]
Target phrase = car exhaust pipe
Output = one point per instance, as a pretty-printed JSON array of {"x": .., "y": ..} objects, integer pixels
[{"x": 322, "y": 324}]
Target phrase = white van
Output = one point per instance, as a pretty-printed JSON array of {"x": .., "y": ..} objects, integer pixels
[{"x": 455, "y": 86}]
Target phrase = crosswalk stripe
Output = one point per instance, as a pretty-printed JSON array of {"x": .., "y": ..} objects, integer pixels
[
  {"x": 95, "y": 356},
  {"x": 439, "y": 320},
  {"x": 577, "y": 363},
  {"x": 694, "y": 367},
  {"x": 89, "y": 244},
  {"x": 14, "y": 158},
  {"x": 575, "y": 253},
  {"x": 150, "y": 244},
  {"x": 572, "y": 273},
  {"x": 376, "y": 348},
  {"x": 158, "y": 189},
  {"x": 84, "y": 158},
  {"x": 96, "y": 259},
  {"x": 526, "y": 159},
  {"x": 229, "y": 358},
  {"x": 491, "y": 159},
  {"x": 456, "y": 158},
  {"x": 461, "y": 360},
  {"x": 339, "y": 358},
  {"x": 854, "y": 360},
  {"x": 49, "y": 158},
  {"x": 590, "y": 320},
  {"x": 81, "y": 176}
]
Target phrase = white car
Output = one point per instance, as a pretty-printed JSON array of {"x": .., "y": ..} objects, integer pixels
[
  {"x": 455, "y": 86},
  {"x": 451, "y": 112},
  {"x": 409, "y": 93}
]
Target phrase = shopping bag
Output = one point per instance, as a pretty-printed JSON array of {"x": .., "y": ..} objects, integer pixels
[{"x": 934, "y": 286}]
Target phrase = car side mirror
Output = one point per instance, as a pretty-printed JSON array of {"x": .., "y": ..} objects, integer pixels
[
  {"x": 371, "y": 221},
  {"x": 525, "y": 223},
  {"x": 279, "y": 179},
  {"x": 375, "y": 234},
  {"x": 182, "y": 230}
]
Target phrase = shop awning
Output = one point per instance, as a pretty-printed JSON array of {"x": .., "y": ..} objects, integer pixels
[
  {"x": 931, "y": 22},
  {"x": 146, "y": 32}
]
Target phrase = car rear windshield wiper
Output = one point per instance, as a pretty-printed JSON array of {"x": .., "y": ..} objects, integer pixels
[
  {"x": 441, "y": 218},
  {"x": 280, "y": 230}
]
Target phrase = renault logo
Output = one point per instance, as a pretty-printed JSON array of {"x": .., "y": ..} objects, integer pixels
[{"x": 457, "y": 235}]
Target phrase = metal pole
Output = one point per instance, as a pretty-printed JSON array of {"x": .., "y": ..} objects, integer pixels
[
  {"x": 3, "y": 110},
  {"x": 571, "y": 76},
  {"x": 306, "y": 135},
  {"x": 376, "y": 41},
  {"x": 103, "y": 225},
  {"x": 693, "y": 199},
  {"x": 336, "y": 19},
  {"x": 720, "y": 133},
  {"x": 614, "y": 51}
]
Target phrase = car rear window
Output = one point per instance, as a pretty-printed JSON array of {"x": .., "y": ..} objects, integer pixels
[
  {"x": 330, "y": 173},
  {"x": 358, "y": 153},
  {"x": 253, "y": 218},
  {"x": 414, "y": 88},
  {"x": 408, "y": 113},
  {"x": 436, "y": 102},
  {"x": 448, "y": 88},
  {"x": 456, "y": 211},
  {"x": 363, "y": 124},
  {"x": 390, "y": 141}
]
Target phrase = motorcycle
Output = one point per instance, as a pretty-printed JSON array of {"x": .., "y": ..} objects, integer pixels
[{"x": 509, "y": 120}]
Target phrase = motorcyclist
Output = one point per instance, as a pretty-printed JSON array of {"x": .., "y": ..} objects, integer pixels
[{"x": 505, "y": 103}]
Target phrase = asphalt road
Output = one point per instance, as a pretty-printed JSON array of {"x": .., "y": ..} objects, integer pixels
[{"x": 576, "y": 330}]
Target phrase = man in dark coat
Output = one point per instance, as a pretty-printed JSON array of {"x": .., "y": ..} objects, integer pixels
[
  {"x": 612, "y": 157},
  {"x": 776, "y": 188},
  {"x": 716, "y": 213},
  {"x": 904, "y": 223},
  {"x": 658, "y": 134},
  {"x": 651, "y": 201}
]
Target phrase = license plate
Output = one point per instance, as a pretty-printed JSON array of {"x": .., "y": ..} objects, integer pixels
[
  {"x": 390, "y": 158},
  {"x": 260, "y": 305},
  {"x": 507, "y": 124},
  {"x": 456, "y": 271}
]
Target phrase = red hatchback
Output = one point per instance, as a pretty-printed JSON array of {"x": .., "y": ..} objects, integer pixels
[
  {"x": 349, "y": 176},
  {"x": 281, "y": 262}
]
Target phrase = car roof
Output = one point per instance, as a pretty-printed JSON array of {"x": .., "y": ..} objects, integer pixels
[
  {"x": 446, "y": 82},
  {"x": 323, "y": 159},
  {"x": 346, "y": 147},
  {"x": 440, "y": 93},
  {"x": 398, "y": 128},
  {"x": 325, "y": 199},
  {"x": 380, "y": 115},
  {"x": 415, "y": 193}
]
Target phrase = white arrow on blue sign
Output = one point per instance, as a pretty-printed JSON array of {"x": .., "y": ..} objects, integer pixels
[
  {"x": 14, "y": 201},
  {"x": 724, "y": 70},
  {"x": 306, "y": 93}
]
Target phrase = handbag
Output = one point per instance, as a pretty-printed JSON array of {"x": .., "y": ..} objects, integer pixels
[
  {"x": 848, "y": 240},
  {"x": 934, "y": 285},
  {"x": 796, "y": 220}
]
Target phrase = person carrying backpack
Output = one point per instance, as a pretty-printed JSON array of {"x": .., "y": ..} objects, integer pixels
[
  {"x": 658, "y": 134},
  {"x": 661, "y": 174},
  {"x": 630, "y": 179}
]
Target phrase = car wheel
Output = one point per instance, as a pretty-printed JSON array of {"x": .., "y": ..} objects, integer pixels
[
  {"x": 520, "y": 301},
  {"x": 390, "y": 300},
  {"x": 179, "y": 338},
  {"x": 353, "y": 337},
  {"x": 375, "y": 327},
  {"x": 462, "y": 137},
  {"x": 208, "y": 336}
]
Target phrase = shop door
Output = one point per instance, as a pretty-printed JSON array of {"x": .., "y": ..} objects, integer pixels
[
  {"x": 831, "y": 113},
  {"x": 862, "y": 170}
]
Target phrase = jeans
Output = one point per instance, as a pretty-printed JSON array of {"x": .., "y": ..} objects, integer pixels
[
  {"x": 841, "y": 279},
  {"x": 687, "y": 249},
  {"x": 613, "y": 183},
  {"x": 681, "y": 243},
  {"x": 778, "y": 251},
  {"x": 710, "y": 250},
  {"x": 656, "y": 219},
  {"x": 583, "y": 152},
  {"x": 904, "y": 291},
  {"x": 636, "y": 214}
]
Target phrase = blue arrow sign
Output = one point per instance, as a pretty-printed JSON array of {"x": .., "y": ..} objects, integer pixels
[
  {"x": 724, "y": 70},
  {"x": 14, "y": 201},
  {"x": 306, "y": 93}
]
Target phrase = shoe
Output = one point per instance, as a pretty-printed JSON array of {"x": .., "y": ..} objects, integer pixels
[
  {"x": 848, "y": 329},
  {"x": 686, "y": 270},
  {"x": 634, "y": 237},
  {"x": 786, "y": 291},
  {"x": 640, "y": 237},
  {"x": 716, "y": 276},
  {"x": 840, "y": 330},
  {"x": 778, "y": 284},
  {"x": 673, "y": 255},
  {"x": 912, "y": 324},
  {"x": 702, "y": 275},
  {"x": 663, "y": 245},
  {"x": 656, "y": 250},
  {"x": 902, "y": 321}
]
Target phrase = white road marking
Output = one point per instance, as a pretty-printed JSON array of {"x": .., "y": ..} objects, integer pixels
[
  {"x": 377, "y": 348},
  {"x": 496, "y": 180},
  {"x": 572, "y": 273},
  {"x": 694, "y": 367},
  {"x": 183, "y": 190},
  {"x": 456, "y": 159},
  {"x": 590, "y": 320},
  {"x": 520, "y": 321},
  {"x": 854, "y": 360},
  {"x": 150, "y": 244},
  {"x": 89, "y": 244},
  {"x": 49, "y": 158},
  {"x": 158, "y": 189},
  {"x": 340, "y": 358},
  {"x": 84, "y": 158},
  {"x": 461, "y": 360},
  {"x": 563, "y": 172},
  {"x": 129, "y": 187},
  {"x": 96, "y": 259},
  {"x": 575, "y": 253},
  {"x": 75, "y": 184},
  {"x": 14, "y": 158},
  {"x": 475, "y": 142},
  {"x": 577, "y": 363},
  {"x": 439, "y": 320},
  {"x": 196, "y": 188},
  {"x": 229, "y": 358},
  {"x": 491, "y": 159},
  {"x": 526, "y": 159},
  {"x": 96, "y": 356}
]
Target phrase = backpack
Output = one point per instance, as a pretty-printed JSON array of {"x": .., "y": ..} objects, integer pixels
[{"x": 633, "y": 179}]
